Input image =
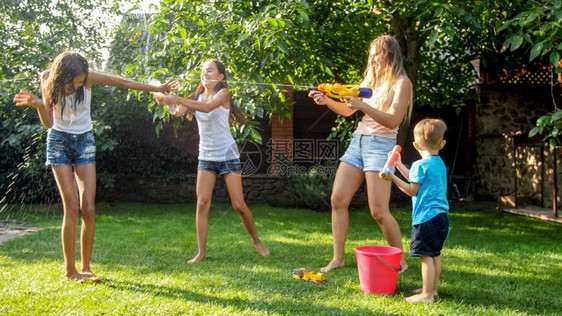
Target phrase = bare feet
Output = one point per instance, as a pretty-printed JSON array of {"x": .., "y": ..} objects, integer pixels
[
  {"x": 403, "y": 264},
  {"x": 197, "y": 258},
  {"x": 420, "y": 290},
  {"x": 420, "y": 298},
  {"x": 92, "y": 276},
  {"x": 334, "y": 264},
  {"x": 262, "y": 250},
  {"x": 82, "y": 277}
]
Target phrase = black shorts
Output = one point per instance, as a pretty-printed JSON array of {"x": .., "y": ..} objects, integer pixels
[{"x": 428, "y": 237}]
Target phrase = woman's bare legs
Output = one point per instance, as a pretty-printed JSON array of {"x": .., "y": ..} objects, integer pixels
[
  {"x": 234, "y": 184},
  {"x": 204, "y": 190},
  {"x": 347, "y": 181},
  {"x": 378, "y": 193},
  {"x": 65, "y": 183}
]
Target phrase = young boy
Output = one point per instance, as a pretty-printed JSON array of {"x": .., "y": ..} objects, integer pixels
[{"x": 428, "y": 188}]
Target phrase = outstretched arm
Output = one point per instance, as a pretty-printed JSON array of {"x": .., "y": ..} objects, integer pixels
[
  {"x": 100, "y": 78},
  {"x": 220, "y": 98},
  {"x": 27, "y": 98}
]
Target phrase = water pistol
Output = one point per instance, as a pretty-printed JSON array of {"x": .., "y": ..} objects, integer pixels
[
  {"x": 390, "y": 161},
  {"x": 338, "y": 91},
  {"x": 308, "y": 275}
]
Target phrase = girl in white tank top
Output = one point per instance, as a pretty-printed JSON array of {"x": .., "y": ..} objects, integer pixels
[
  {"x": 65, "y": 108},
  {"x": 218, "y": 154}
]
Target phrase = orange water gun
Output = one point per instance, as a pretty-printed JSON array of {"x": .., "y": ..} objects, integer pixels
[
  {"x": 338, "y": 90},
  {"x": 390, "y": 161},
  {"x": 308, "y": 275}
]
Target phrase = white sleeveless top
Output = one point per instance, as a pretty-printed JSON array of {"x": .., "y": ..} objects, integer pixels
[
  {"x": 215, "y": 140},
  {"x": 75, "y": 120}
]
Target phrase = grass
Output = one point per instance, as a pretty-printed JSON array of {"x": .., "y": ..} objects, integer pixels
[{"x": 493, "y": 263}]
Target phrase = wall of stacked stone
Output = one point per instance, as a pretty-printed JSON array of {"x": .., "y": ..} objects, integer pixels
[{"x": 500, "y": 115}]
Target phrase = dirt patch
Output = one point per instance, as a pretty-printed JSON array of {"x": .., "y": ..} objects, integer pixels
[{"x": 9, "y": 230}]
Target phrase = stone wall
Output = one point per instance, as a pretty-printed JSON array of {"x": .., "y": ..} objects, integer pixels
[{"x": 504, "y": 118}]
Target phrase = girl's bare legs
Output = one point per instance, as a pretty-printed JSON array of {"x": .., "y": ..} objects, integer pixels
[
  {"x": 234, "y": 184},
  {"x": 86, "y": 181},
  {"x": 65, "y": 183},
  {"x": 378, "y": 193},
  {"x": 204, "y": 189},
  {"x": 347, "y": 181},
  {"x": 431, "y": 269}
]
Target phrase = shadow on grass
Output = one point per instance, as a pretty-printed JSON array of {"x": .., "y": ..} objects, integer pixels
[{"x": 255, "y": 305}]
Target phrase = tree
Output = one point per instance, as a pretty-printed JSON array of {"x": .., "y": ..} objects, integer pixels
[
  {"x": 266, "y": 46},
  {"x": 302, "y": 42},
  {"x": 31, "y": 33}
]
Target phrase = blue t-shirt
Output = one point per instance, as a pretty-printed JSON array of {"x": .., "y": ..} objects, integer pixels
[{"x": 431, "y": 199}]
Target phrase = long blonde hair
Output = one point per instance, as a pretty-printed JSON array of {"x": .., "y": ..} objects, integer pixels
[{"x": 390, "y": 55}]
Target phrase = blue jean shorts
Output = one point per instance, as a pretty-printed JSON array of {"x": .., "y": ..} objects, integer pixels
[
  {"x": 367, "y": 152},
  {"x": 70, "y": 149},
  {"x": 428, "y": 237},
  {"x": 220, "y": 167}
]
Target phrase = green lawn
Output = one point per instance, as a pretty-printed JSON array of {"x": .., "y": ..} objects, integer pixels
[{"x": 493, "y": 263}]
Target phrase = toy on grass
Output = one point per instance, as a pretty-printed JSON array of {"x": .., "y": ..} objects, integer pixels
[
  {"x": 308, "y": 275},
  {"x": 338, "y": 91},
  {"x": 390, "y": 161}
]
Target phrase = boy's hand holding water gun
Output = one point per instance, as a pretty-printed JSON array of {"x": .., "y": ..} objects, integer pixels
[{"x": 393, "y": 157}]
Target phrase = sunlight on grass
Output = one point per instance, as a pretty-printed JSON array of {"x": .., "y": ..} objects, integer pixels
[{"x": 492, "y": 264}]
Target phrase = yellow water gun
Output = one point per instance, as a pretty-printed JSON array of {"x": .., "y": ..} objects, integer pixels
[{"x": 338, "y": 91}]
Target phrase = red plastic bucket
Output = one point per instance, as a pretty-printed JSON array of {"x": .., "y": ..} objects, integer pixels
[{"x": 378, "y": 268}]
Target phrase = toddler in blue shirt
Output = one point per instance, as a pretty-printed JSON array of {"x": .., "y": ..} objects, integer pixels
[{"x": 427, "y": 185}]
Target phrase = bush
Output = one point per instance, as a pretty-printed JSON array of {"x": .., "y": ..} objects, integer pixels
[{"x": 311, "y": 189}]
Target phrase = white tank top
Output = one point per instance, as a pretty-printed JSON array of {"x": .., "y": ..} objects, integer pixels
[
  {"x": 75, "y": 120},
  {"x": 215, "y": 140}
]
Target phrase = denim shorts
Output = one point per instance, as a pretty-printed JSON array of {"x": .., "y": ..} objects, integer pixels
[
  {"x": 367, "y": 152},
  {"x": 428, "y": 237},
  {"x": 70, "y": 149},
  {"x": 220, "y": 167}
]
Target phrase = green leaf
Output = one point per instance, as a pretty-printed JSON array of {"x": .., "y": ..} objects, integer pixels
[
  {"x": 516, "y": 43},
  {"x": 534, "y": 131},
  {"x": 535, "y": 51},
  {"x": 283, "y": 47},
  {"x": 531, "y": 18},
  {"x": 433, "y": 37},
  {"x": 507, "y": 43},
  {"x": 554, "y": 58},
  {"x": 557, "y": 115}
]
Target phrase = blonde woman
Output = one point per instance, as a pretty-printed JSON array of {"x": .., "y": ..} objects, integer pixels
[{"x": 373, "y": 139}]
